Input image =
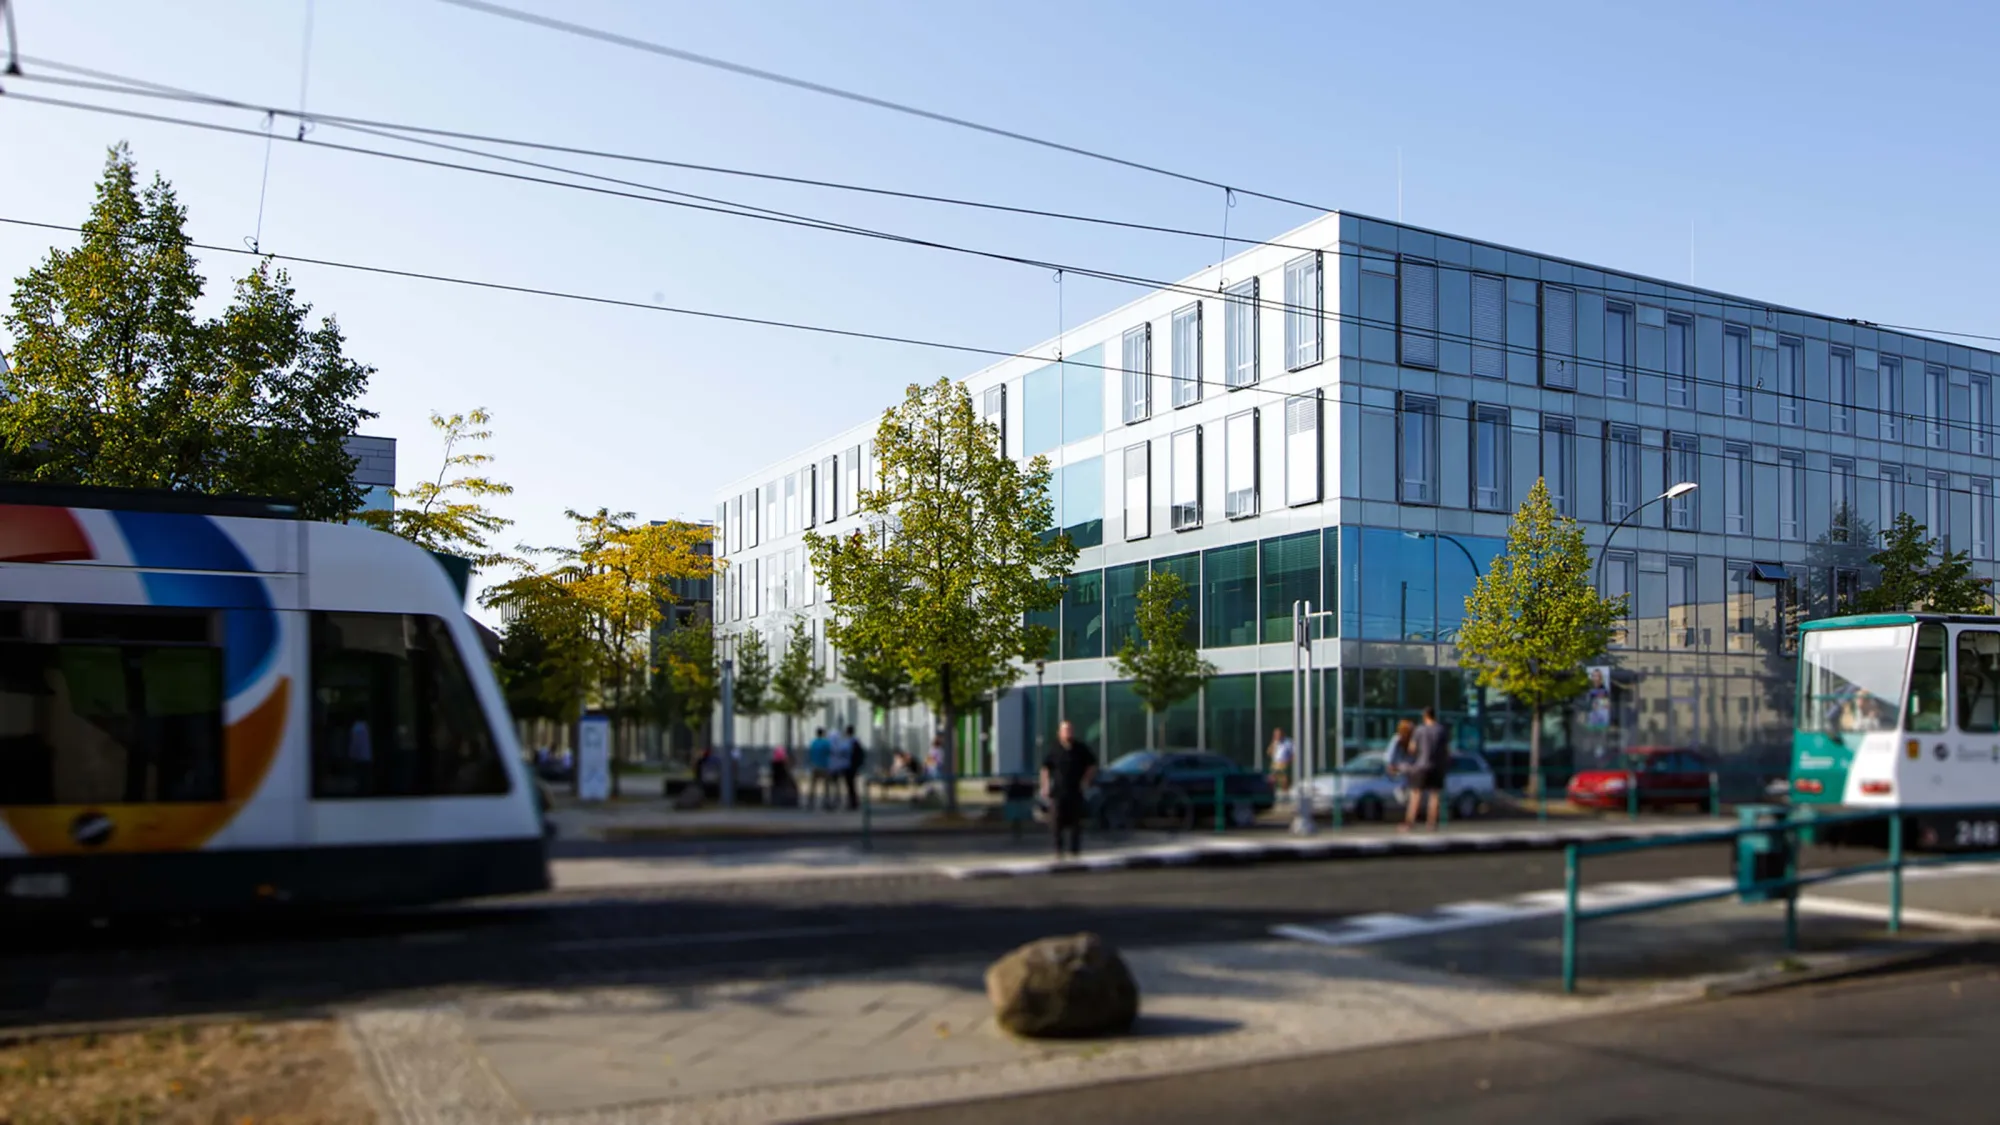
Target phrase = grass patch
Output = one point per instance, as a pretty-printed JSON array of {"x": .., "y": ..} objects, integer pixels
[{"x": 295, "y": 1072}]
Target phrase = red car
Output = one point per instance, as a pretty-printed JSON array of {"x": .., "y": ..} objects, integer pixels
[{"x": 1664, "y": 775}]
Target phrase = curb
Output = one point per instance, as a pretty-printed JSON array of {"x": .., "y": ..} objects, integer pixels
[
  {"x": 1859, "y": 965},
  {"x": 1235, "y": 852}
]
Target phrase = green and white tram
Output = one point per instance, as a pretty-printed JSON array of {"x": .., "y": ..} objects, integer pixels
[{"x": 1902, "y": 711}]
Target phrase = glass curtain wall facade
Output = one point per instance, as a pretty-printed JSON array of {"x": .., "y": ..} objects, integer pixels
[{"x": 1369, "y": 460}]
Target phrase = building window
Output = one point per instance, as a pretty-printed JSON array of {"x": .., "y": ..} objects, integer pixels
[
  {"x": 1982, "y": 517},
  {"x": 1304, "y": 305},
  {"x": 1239, "y": 465},
  {"x": 829, "y": 489},
  {"x": 1617, "y": 350},
  {"x": 1489, "y": 458},
  {"x": 1621, "y": 472},
  {"x": 1083, "y": 394},
  {"x": 1893, "y": 500},
  {"x": 1680, "y": 603},
  {"x": 850, "y": 473},
  {"x": 1683, "y": 464},
  {"x": 1184, "y": 471},
  {"x": 1558, "y": 335},
  {"x": 1937, "y": 508},
  {"x": 784, "y": 589},
  {"x": 1303, "y": 450},
  {"x": 1417, "y": 452},
  {"x": 1936, "y": 396},
  {"x": 1840, "y": 388},
  {"x": 808, "y": 493},
  {"x": 1680, "y": 359},
  {"x": 1982, "y": 415},
  {"x": 1791, "y": 354},
  {"x": 1846, "y": 589},
  {"x": 993, "y": 411},
  {"x": 1136, "y": 362},
  {"x": 1619, "y": 568},
  {"x": 1739, "y": 612},
  {"x": 774, "y": 512},
  {"x": 1845, "y": 503},
  {"x": 736, "y": 522},
  {"x": 1186, "y": 357},
  {"x": 1489, "y": 326},
  {"x": 1736, "y": 489},
  {"x": 1891, "y": 384},
  {"x": 1041, "y": 409},
  {"x": 394, "y": 712},
  {"x": 1559, "y": 462},
  {"x": 1239, "y": 334},
  {"x": 792, "y": 498},
  {"x": 1419, "y": 292},
  {"x": 1082, "y": 493},
  {"x": 1138, "y": 491},
  {"x": 1791, "y": 495},
  {"x": 1735, "y": 371}
]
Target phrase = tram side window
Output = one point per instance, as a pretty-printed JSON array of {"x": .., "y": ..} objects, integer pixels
[
  {"x": 394, "y": 713},
  {"x": 105, "y": 705},
  {"x": 1979, "y": 681},
  {"x": 1927, "y": 680}
]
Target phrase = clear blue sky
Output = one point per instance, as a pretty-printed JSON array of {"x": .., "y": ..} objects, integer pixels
[{"x": 1836, "y": 156}]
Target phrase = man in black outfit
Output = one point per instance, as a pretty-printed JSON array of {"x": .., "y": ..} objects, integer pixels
[
  {"x": 1066, "y": 773},
  {"x": 1433, "y": 748}
]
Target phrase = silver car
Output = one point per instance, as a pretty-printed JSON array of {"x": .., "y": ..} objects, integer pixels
[{"x": 1367, "y": 790}]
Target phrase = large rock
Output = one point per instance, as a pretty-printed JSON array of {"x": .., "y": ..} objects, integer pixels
[{"x": 1063, "y": 987}]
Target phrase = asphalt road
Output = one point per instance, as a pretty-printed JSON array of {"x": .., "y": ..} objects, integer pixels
[
  {"x": 1913, "y": 1047},
  {"x": 664, "y": 934}
]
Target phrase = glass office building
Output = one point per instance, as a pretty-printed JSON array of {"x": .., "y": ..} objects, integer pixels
[{"x": 1350, "y": 414}]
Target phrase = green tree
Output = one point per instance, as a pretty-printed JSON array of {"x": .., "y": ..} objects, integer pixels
[
  {"x": 687, "y": 663},
  {"x": 1163, "y": 667},
  {"x": 535, "y": 675},
  {"x": 1535, "y": 618},
  {"x": 751, "y": 693},
  {"x": 963, "y": 548},
  {"x": 876, "y": 678},
  {"x": 114, "y": 381},
  {"x": 446, "y": 514},
  {"x": 796, "y": 682},
  {"x": 1918, "y": 574}
]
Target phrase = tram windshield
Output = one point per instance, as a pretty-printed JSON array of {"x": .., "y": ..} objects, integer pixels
[{"x": 1852, "y": 679}]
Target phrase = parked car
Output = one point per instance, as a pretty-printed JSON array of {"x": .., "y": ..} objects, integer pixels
[
  {"x": 1368, "y": 790},
  {"x": 1177, "y": 788},
  {"x": 1660, "y": 775}
]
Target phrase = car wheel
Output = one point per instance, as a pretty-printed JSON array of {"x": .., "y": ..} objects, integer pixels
[
  {"x": 1242, "y": 814},
  {"x": 1368, "y": 808},
  {"x": 1177, "y": 811},
  {"x": 1465, "y": 806}
]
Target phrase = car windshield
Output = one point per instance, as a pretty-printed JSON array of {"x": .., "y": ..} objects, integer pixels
[
  {"x": 1367, "y": 765},
  {"x": 1138, "y": 761},
  {"x": 1852, "y": 679}
]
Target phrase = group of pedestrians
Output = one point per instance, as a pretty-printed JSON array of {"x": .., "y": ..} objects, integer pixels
[
  {"x": 1421, "y": 754},
  {"x": 833, "y": 766}
]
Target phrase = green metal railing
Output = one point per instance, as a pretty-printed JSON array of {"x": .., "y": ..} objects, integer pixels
[{"x": 1772, "y": 832}]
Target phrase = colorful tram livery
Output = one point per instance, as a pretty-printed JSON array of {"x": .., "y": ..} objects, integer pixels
[
  {"x": 1902, "y": 711},
  {"x": 204, "y": 707}
]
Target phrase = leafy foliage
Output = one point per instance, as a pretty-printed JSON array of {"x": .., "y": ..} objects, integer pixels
[
  {"x": 961, "y": 551},
  {"x": 1163, "y": 666},
  {"x": 796, "y": 682},
  {"x": 875, "y": 676},
  {"x": 445, "y": 514},
  {"x": 115, "y": 381},
  {"x": 752, "y": 674},
  {"x": 1917, "y": 573},
  {"x": 538, "y": 680},
  {"x": 687, "y": 669},
  {"x": 1535, "y": 617}
]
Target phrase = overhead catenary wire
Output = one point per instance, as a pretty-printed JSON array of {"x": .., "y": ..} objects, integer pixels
[
  {"x": 728, "y": 207},
  {"x": 686, "y": 56},
  {"x": 797, "y": 326},
  {"x": 122, "y": 85}
]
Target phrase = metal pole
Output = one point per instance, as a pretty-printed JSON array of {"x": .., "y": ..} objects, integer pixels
[
  {"x": 1895, "y": 872},
  {"x": 1571, "y": 879},
  {"x": 727, "y": 766},
  {"x": 1339, "y": 738},
  {"x": 1302, "y": 813}
]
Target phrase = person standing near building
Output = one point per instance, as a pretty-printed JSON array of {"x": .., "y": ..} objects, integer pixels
[
  {"x": 819, "y": 783},
  {"x": 1067, "y": 774},
  {"x": 1432, "y": 745},
  {"x": 856, "y": 755},
  {"x": 839, "y": 762},
  {"x": 1279, "y": 754}
]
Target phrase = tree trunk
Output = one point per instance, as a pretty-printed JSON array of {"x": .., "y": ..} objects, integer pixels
[
  {"x": 1152, "y": 734},
  {"x": 948, "y": 768},
  {"x": 1535, "y": 753}
]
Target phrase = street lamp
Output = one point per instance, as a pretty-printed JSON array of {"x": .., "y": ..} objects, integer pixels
[
  {"x": 1480, "y": 727},
  {"x": 1673, "y": 493},
  {"x": 1035, "y": 711}
]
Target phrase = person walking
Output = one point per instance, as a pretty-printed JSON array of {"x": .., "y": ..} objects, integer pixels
[
  {"x": 840, "y": 754},
  {"x": 819, "y": 752},
  {"x": 856, "y": 756},
  {"x": 1432, "y": 745},
  {"x": 1067, "y": 774},
  {"x": 1280, "y": 756}
]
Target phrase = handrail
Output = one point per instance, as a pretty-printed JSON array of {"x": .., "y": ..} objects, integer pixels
[{"x": 1794, "y": 822}]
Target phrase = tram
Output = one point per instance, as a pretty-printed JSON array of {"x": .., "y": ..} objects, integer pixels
[
  {"x": 1902, "y": 711},
  {"x": 212, "y": 704}
]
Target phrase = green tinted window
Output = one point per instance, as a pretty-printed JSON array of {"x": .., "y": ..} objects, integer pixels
[{"x": 1925, "y": 711}]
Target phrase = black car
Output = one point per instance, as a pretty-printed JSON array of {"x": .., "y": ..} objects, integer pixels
[{"x": 1177, "y": 789}]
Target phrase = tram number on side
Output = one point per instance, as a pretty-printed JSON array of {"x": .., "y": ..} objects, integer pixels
[{"x": 1977, "y": 834}]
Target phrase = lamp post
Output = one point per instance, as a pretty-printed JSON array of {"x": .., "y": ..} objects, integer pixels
[
  {"x": 1035, "y": 713},
  {"x": 1673, "y": 493},
  {"x": 1477, "y": 574}
]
